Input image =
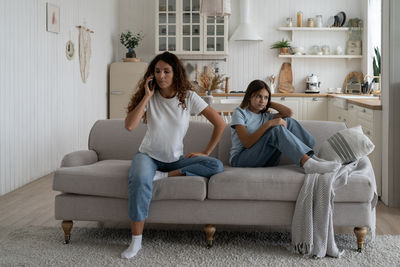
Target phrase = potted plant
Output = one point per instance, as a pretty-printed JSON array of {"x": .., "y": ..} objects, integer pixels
[
  {"x": 130, "y": 41},
  {"x": 376, "y": 64},
  {"x": 283, "y": 46}
]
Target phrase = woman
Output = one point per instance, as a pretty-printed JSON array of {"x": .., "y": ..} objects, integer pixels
[
  {"x": 166, "y": 107},
  {"x": 260, "y": 137}
]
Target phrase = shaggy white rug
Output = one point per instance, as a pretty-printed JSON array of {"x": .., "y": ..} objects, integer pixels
[{"x": 42, "y": 246}]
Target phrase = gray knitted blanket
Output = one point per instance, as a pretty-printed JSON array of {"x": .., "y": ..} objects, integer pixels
[{"x": 312, "y": 224}]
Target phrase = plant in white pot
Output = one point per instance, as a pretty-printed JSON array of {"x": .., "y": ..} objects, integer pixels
[
  {"x": 376, "y": 64},
  {"x": 130, "y": 41}
]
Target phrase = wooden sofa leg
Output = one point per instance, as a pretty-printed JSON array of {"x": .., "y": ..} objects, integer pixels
[
  {"x": 360, "y": 232},
  {"x": 67, "y": 226},
  {"x": 209, "y": 229}
]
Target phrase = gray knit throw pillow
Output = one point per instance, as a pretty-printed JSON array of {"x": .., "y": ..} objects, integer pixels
[{"x": 346, "y": 146}]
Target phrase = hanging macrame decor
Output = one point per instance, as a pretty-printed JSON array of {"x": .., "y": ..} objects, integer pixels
[{"x": 85, "y": 51}]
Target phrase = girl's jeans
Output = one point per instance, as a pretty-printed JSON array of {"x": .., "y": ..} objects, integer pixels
[{"x": 294, "y": 141}]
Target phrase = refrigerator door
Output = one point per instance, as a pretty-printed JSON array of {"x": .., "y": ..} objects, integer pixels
[{"x": 124, "y": 77}]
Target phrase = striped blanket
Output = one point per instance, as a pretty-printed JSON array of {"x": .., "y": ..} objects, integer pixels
[{"x": 312, "y": 224}]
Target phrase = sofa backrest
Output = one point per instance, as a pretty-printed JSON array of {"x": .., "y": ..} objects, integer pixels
[{"x": 111, "y": 140}]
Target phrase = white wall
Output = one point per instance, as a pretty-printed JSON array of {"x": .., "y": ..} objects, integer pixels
[
  {"x": 390, "y": 103},
  {"x": 255, "y": 60},
  {"x": 45, "y": 109}
]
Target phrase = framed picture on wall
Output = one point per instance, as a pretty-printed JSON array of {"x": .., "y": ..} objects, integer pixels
[{"x": 53, "y": 18}]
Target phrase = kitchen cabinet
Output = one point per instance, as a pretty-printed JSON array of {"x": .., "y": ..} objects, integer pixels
[
  {"x": 304, "y": 108},
  {"x": 371, "y": 124},
  {"x": 294, "y": 103},
  {"x": 182, "y": 30},
  {"x": 315, "y": 108}
]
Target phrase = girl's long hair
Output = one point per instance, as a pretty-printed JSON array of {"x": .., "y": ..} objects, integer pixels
[
  {"x": 252, "y": 89},
  {"x": 180, "y": 82}
]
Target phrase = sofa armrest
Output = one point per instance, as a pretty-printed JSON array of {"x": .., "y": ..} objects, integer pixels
[{"x": 79, "y": 158}]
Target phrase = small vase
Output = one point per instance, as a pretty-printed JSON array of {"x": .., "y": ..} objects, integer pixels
[{"x": 131, "y": 53}]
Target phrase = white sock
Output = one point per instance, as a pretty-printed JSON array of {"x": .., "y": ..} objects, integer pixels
[
  {"x": 134, "y": 247},
  {"x": 313, "y": 166},
  {"x": 159, "y": 175}
]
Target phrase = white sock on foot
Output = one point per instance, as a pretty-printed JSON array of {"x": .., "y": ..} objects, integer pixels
[
  {"x": 134, "y": 247},
  {"x": 313, "y": 166},
  {"x": 159, "y": 175}
]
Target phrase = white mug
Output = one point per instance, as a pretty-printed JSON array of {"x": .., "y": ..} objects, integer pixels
[{"x": 339, "y": 50}]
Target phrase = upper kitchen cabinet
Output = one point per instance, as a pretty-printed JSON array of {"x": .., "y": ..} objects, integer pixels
[{"x": 182, "y": 30}]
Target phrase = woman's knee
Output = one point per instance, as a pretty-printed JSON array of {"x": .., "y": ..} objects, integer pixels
[
  {"x": 142, "y": 170},
  {"x": 216, "y": 165}
]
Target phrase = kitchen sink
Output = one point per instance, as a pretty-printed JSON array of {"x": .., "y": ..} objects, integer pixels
[{"x": 357, "y": 96}]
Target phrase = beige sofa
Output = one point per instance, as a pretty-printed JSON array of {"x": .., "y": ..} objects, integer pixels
[{"x": 94, "y": 185}]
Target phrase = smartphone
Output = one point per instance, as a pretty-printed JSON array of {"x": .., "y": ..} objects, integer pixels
[{"x": 151, "y": 84}]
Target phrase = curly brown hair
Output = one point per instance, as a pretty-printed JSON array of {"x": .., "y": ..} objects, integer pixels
[
  {"x": 180, "y": 80},
  {"x": 252, "y": 89}
]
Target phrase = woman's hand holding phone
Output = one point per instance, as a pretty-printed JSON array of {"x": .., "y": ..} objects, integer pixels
[{"x": 149, "y": 86}]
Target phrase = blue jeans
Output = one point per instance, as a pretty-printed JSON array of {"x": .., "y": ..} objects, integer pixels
[
  {"x": 143, "y": 169},
  {"x": 293, "y": 141}
]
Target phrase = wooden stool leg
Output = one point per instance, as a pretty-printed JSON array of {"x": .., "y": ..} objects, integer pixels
[
  {"x": 67, "y": 226},
  {"x": 360, "y": 232},
  {"x": 209, "y": 229}
]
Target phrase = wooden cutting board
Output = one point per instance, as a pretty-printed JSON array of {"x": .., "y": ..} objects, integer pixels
[{"x": 286, "y": 79}]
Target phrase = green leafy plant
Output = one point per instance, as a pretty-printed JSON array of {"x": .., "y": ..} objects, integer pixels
[
  {"x": 130, "y": 40},
  {"x": 280, "y": 44},
  {"x": 376, "y": 64}
]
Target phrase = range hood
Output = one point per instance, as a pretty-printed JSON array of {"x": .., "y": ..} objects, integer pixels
[{"x": 245, "y": 31}]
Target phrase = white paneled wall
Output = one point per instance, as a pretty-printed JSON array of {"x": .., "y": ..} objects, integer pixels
[
  {"x": 46, "y": 110},
  {"x": 250, "y": 60},
  {"x": 255, "y": 60}
]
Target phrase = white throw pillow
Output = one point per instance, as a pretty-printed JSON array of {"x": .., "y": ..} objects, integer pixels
[{"x": 346, "y": 146}]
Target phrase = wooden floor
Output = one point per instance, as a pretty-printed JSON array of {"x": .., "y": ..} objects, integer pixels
[{"x": 33, "y": 205}]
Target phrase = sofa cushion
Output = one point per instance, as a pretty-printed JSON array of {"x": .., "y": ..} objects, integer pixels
[
  {"x": 110, "y": 178},
  {"x": 281, "y": 183},
  {"x": 346, "y": 146}
]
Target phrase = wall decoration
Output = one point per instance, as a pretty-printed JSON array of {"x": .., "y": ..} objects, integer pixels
[
  {"x": 70, "y": 50},
  {"x": 53, "y": 18},
  {"x": 85, "y": 51}
]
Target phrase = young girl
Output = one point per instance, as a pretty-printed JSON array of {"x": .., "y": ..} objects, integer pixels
[
  {"x": 166, "y": 107},
  {"x": 260, "y": 137}
]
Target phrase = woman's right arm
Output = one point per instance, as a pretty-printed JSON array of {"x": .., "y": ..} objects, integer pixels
[
  {"x": 248, "y": 140},
  {"x": 133, "y": 118}
]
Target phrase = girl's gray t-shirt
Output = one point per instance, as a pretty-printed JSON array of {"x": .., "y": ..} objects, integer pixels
[{"x": 251, "y": 121}]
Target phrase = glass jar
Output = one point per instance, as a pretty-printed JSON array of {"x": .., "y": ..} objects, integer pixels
[
  {"x": 299, "y": 19},
  {"x": 310, "y": 22},
  {"x": 326, "y": 50},
  {"x": 318, "y": 21},
  {"x": 289, "y": 22}
]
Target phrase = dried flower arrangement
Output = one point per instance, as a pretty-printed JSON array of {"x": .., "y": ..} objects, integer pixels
[{"x": 208, "y": 80}]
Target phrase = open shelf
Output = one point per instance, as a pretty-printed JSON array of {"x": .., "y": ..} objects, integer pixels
[
  {"x": 320, "y": 56},
  {"x": 313, "y": 28}
]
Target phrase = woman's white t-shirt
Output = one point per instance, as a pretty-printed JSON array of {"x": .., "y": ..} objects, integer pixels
[{"x": 167, "y": 124}]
